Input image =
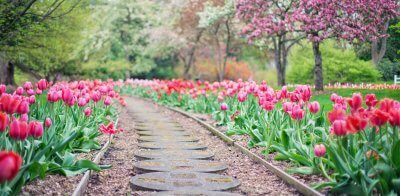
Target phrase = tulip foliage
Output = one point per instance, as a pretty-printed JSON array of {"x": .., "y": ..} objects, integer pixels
[
  {"x": 354, "y": 147},
  {"x": 43, "y": 127}
]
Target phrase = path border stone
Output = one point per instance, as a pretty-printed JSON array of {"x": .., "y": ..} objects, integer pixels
[{"x": 300, "y": 186}]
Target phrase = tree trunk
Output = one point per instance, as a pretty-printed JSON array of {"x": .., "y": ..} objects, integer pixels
[
  {"x": 319, "y": 78},
  {"x": 6, "y": 70},
  {"x": 378, "y": 46},
  {"x": 189, "y": 62},
  {"x": 280, "y": 69}
]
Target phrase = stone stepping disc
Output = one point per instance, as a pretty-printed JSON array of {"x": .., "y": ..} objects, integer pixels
[
  {"x": 193, "y": 193},
  {"x": 168, "y": 138},
  {"x": 138, "y": 128},
  {"x": 170, "y": 181},
  {"x": 173, "y": 154},
  {"x": 162, "y": 133},
  {"x": 172, "y": 145},
  {"x": 184, "y": 165}
]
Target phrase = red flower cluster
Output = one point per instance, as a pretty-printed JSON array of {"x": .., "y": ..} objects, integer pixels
[{"x": 359, "y": 117}]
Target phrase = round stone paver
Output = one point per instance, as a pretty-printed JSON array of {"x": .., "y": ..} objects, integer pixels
[
  {"x": 168, "y": 138},
  {"x": 193, "y": 193},
  {"x": 159, "y": 128},
  {"x": 187, "y": 165},
  {"x": 173, "y": 154},
  {"x": 172, "y": 145},
  {"x": 162, "y": 133},
  {"x": 170, "y": 181}
]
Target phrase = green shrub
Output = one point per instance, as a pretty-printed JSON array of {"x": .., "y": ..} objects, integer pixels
[
  {"x": 388, "y": 69},
  {"x": 339, "y": 65}
]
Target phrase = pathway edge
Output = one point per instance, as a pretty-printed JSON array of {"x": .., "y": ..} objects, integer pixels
[
  {"x": 82, "y": 186},
  {"x": 300, "y": 186}
]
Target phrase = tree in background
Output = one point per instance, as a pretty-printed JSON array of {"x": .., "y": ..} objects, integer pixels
[
  {"x": 22, "y": 19},
  {"x": 347, "y": 20},
  {"x": 218, "y": 20},
  {"x": 271, "y": 21}
]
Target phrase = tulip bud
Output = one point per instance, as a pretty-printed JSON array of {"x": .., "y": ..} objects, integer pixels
[
  {"x": 18, "y": 130},
  {"x": 10, "y": 163},
  {"x": 39, "y": 92},
  {"x": 314, "y": 107},
  {"x": 42, "y": 84},
  {"x": 32, "y": 99},
  {"x": 87, "y": 111},
  {"x": 27, "y": 86},
  {"x": 339, "y": 127},
  {"x": 224, "y": 107},
  {"x": 107, "y": 101},
  {"x": 48, "y": 122},
  {"x": 35, "y": 129},
  {"x": 319, "y": 150},
  {"x": 19, "y": 91}
]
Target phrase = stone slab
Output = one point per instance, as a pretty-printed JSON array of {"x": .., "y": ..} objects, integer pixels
[
  {"x": 193, "y": 193},
  {"x": 172, "y": 145},
  {"x": 150, "y": 128},
  {"x": 187, "y": 165},
  {"x": 168, "y": 138},
  {"x": 163, "y": 132},
  {"x": 173, "y": 154},
  {"x": 171, "y": 181}
]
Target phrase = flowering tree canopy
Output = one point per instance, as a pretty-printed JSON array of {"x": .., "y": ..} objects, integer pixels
[{"x": 350, "y": 20}]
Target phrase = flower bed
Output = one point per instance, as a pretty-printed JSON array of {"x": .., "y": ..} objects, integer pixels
[
  {"x": 354, "y": 146},
  {"x": 44, "y": 127}
]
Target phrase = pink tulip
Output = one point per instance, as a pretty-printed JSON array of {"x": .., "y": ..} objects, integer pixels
[
  {"x": 339, "y": 127},
  {"x": 48, "y": 122},
  {"x": 314, "y": 107},
  {"x": 10, "y": 163},
  {"x": 224, "y": 107},
  {"x": 319, "y": 150},
  {"x": 107, "y": 101},
  {"x": 87, "y": 111},
  {"x": 42, "y": 84},
  {"x": 23, "y": 107},
  {"x": 35, "y": 129},
  {"x": 19, "y": 91},
  {"x": 18, "y": 130},
  {"x": 82, "y": 102},
  {"x": 3, "y": 88}
]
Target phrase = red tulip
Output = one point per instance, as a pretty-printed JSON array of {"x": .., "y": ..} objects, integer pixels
[
  {"x": 10, "y": 163},
  {"x": 35, "y": 129},
  {"x": 379, "y": 118},
  {"x": 339, "y": 127},
  {"x": 48, "y": 122},
  {"x": 319, "y": 150},
  {"x": 387, "y": 104},
  {"x": 370, "y": 100},
  {"x": 87, "y": 111},
  {"x": 18, "y": 130},
  {"x": 297, "y": 113},
  {"x": 9, "y": 104},
  {"x": 224, "y": 106},
  {"x": 109, "y": 129},
  {"x": 3, "y": 121},
  {"x": 314, "y": 107},
  {"x": 42, "y": 84},
  {"x": 23, "y": 107},
  {"x": 355, "y": 123},
  {"x": 67, "y": 95},
  {"x": 394, "y": 117},
  {"x": 355, "y": 102},
  {"x": 336, "y": 114}
]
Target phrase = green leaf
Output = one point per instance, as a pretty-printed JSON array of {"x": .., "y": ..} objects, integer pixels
[
  {"x": 302, "y": 170},
  {"x": 396, "y": 154},
  {"x": 87, "y": 164}
]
